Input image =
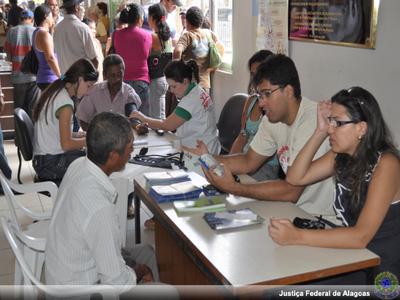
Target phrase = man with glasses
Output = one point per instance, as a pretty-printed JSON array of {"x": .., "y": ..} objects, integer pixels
[{"x": 289, "y": 121}]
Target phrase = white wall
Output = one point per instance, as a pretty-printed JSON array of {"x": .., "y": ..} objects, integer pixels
[
  {"x": 227, "y": 84},
  {"x": 325, "y": 69}
]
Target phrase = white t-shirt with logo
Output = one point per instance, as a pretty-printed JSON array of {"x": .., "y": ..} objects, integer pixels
[
  {"x": 201, "y": 123},
  {"x": 47, "y": 128},
  {"x": 287, "y": 141}
]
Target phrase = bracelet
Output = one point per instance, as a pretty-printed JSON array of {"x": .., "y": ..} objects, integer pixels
[{"x": 243, "y": 132}]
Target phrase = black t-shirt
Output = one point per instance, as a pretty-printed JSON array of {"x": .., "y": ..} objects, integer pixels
[{"x": 386, "y": 242}]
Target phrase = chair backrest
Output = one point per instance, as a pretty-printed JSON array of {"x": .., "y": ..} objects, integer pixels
[
  {"x": 15, "y": 241},
  {"x": 9, "y": 188},
  {"x": 15, "y": 244},
  {"x": 230, "y": 120},
  {"x": 23, "y": 133},
  {"x": 9, "y": 195}
]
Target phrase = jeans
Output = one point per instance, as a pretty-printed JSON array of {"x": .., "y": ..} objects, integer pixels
[
  {"x": 26, "y": 95},
  {"x": 43, "y": 86},
  {"x": 158, "y": 88},
  {"x": 142, "y": 89},
  {"x": 53, "y": 167}
]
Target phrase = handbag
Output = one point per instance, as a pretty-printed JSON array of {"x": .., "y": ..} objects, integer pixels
[
  {"x": 30, "y": 63},
  {"x": 215, "y": 59},
  {"x": 157, "y": 64}
]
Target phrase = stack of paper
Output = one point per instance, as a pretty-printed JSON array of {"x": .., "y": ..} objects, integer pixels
[
  {"x": 232, "y": 219},
  {"x": 178, "y": 191},
  {"x": 166, "y": 177},
  {"x": 204, "y": 204}
]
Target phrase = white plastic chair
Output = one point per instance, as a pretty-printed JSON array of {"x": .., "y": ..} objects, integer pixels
[
  {"x": 35, "y": 234},
  {"x": 15, "y": 238}
]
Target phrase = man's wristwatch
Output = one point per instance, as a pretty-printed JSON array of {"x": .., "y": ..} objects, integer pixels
[{"x": 243, "y": 132}]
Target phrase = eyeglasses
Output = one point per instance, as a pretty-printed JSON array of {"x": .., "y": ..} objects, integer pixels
[
  {"x": 267, "y": 93},
  {"x": 336, "y": 123}
]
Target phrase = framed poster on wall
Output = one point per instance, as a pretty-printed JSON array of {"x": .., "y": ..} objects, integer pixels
[
  {"x": 340, "y": 22},
  {"x": 271, "y": 25}
]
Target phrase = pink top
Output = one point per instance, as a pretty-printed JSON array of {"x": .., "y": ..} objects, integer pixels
[{"x": 134, "y": 44}]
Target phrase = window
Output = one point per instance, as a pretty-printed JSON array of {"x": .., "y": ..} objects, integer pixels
[
  {"x": 223, "y": 28},
  {"x": 219, "y": 12}
]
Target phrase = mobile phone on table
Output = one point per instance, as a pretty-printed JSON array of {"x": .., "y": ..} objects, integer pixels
[{"x": 209, "y": 162}]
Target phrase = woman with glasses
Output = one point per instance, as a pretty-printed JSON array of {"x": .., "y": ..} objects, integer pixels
[
  {"x": 251, "y": 118},
  {"x": 365, "y": 165},
  {"x": 55, "y": 146}
]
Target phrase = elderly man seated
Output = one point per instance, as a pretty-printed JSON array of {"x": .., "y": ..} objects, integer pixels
[
  {"x": 110, "y": 95},
  {"x": 83, "y": 244}
]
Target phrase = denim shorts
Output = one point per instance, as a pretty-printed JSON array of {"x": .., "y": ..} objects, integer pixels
[{"x": 53, "y": 167}]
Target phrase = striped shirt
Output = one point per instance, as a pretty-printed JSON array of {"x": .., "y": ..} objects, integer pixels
[
  {"x": 83, "y": 243},
  {"x": 17, "y": 45}
]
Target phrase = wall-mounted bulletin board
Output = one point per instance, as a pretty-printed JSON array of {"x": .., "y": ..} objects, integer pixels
[
  {"x": 271, "y": 25},
  {"x": 340, "y": 22}
]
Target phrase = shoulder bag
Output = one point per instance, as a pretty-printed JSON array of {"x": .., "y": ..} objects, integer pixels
[
  {"x": 215, "y": 58},
  {"x": 157, "y": 64},
  {"x": 30, "y": 63}
]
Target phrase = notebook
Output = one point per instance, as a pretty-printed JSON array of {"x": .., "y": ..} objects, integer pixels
[
  {"x": 166, "y": 177},
  {"x": 203, "y": 204},
  {"x": 178, "y": 191},
  {"x": 232, "y": 219}
]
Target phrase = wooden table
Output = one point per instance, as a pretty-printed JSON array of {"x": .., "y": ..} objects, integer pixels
[{"x": 189, "y": 252}]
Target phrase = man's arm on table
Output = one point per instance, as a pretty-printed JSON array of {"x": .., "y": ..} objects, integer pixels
[
  {"x": 278, "y": 190},
  {"x": 241, "y": 163}
]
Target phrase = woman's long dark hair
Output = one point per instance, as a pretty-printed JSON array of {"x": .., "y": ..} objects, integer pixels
[
  {"x": 361, "y": 106},
  {"x": 258, "y": 57},
  {"x": 81, "y": 68},
  {"x": 41, "y": 13},
  {"x": 179, "y": 70},
  {"x": 159, "y": 15}
]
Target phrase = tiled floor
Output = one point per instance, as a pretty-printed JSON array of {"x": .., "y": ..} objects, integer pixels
[{"x": 40, "y": 202}]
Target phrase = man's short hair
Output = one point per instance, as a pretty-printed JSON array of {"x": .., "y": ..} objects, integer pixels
[
  {"x": 195, "y": 16},
  {"x": 280, "y": 70},
  {"x": 107, "y": 131},
  {"x": 69, "y": 6},
  {"x": 112, "y": 60}
]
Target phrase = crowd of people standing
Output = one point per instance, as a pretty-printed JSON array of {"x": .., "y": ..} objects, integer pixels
[
  {"x": 337, "y": 157},
  {"x": 61, "y": 36}
]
